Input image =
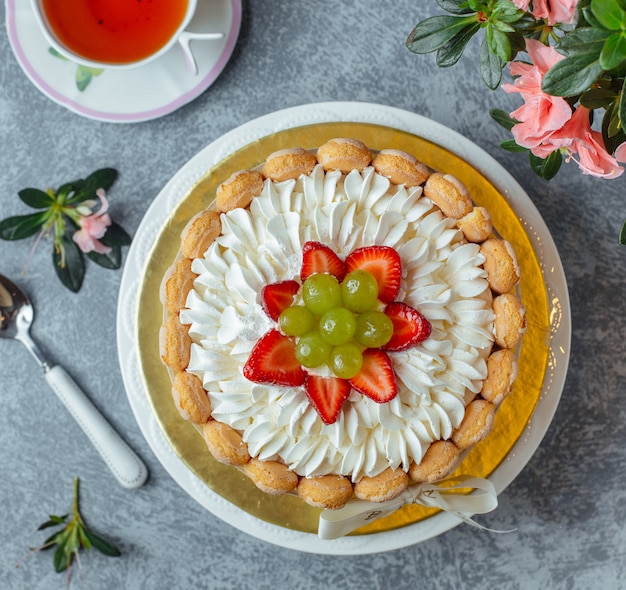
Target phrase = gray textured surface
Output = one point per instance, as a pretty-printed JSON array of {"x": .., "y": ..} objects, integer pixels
[{"x": 568, "y": 504}]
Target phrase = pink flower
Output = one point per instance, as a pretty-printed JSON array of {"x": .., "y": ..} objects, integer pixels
[
  {"x": 620, "y": 153},
  {"x": 93, "y": 227},
  {"x": 587, "y": 144},
  {"x": 555, "y": 11},
  {"x": 541, "y": 114},
  {"x": 522, "y": 4}
]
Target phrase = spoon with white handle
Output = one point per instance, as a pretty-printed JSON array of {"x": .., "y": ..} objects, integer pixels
[{"x": 16, "y": 317}]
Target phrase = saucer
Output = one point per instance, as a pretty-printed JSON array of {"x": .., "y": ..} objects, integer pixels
[{"x": 125, "y": 96}]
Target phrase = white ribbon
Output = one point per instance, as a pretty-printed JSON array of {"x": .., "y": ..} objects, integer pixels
[{"x": 358, "y": 513}]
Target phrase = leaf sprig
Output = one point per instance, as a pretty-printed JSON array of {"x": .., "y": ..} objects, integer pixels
[
  {"x": 74, "y": 536},
  {"x": 63, "y": 214}
]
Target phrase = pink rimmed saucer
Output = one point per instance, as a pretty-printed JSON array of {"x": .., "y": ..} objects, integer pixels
[{"x": 125, "y": 96}]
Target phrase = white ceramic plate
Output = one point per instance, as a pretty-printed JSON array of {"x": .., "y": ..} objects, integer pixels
[
  {"x": 125, "y": 96},
  {"x": 184, "y": 181}
]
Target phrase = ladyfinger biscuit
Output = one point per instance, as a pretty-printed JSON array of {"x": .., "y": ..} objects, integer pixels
[
  {"x": 440, "y": 460},
  {"x": 174, "y": 343},
  {"x": 238, "y": 190},
  {"x": 500, "y": 264},
  {"x": 476, "y": 424},
  {"x": 476, "y": 225},
  {"x": 344, "y": 154},
  {"x": 510, "y": 322},
  {"x": 288, "y": 164},
  {"x": 191, "y": 398},
  {"x": 501, "y": 374},
  {"x": 400, "y": 167},
  {"x": 382, "y": 487},
  {"x": 449, "y": 194},
  {"x": 225, "y": 443},
  {"x": 200, "y": 233},
  {"x": 176, "y": 284},
  {"x": 327, "y": 491},
  {"x": 271, "y": 477}
]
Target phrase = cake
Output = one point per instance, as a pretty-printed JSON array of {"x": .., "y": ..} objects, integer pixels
[{"x": 341, "y": 323}]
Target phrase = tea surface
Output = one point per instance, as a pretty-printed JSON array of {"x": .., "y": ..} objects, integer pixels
[{"x": 114, "y": 31}]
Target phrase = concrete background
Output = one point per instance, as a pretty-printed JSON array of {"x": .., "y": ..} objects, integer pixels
[{"x": 568, "y": 504}]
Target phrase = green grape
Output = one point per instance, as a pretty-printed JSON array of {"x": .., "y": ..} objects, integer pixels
[
  {"x": 321, "y": 292},
  {"x": 346, "y": 360},
  {"x": 296, "y": 320},
  {"x": 373, "y": 329},
  {"x": 337, "y": 325},
  {"x": 359, "y": 291},
  {"x": 312, "y": 350}
]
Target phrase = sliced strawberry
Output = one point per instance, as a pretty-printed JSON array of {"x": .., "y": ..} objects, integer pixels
[
  {"x": 327, "y": 395},
  {"x": 318, "y": 258},
  {"x": 277, "y": 297},
  {"x": 384, "y": 263},
  {"x": 410, "y": 327},
  {"x": 376, "y": 379},
  {"x": 273, "y": 360}
]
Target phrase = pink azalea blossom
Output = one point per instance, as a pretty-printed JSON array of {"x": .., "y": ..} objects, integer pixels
[
  {"x": 620, "y": 153},
  {"x": 93, "y": 227},
  {"x": 587, "y": 145},
  {"x": 554, "y": 11},
  {"x": 541, "y": 114}
]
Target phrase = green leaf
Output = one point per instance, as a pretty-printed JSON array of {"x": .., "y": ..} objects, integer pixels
[
  {"x": 58, "y": 537},
  {"x": 69, "y": 264},
  {"x": 622, "y": 108},
  {"x": 510, "y": 145},
  {"x": 617, "y": 137},
  {"x": 614, "y": 51},
  {"x": 111, "y": 260},
  {"x": 103, "y": 178},
  {"x": 67, "y": 189},
  {"x": 498, "y": 43},
  {"x": 61, "y": 561},
  {"x": 455, "y": 6},
  {"x": 54, "y": 521},
  {"x": 572, "y": 76},
  {"x": 53, "y": 51},
  {"x": 115, "y": 236},
  {"x": 22, "y": 226},
  {"x": 434, "y": 32},
  {"x": 609, "y": 14},
  {"x": 507, "y": 12},
  {"x": 622, "y": 234},
  {"x": 503, "y": 118},
  {"x": 598, "y": 98},
  {"x": 490, "y": 66},
  {"x": 589, "y": 18},
  {"x": 525, "y": 23},
  {"x": 548, "y": 167},
  {"x": 102, "y": 545},
  {"x": 35, "y": 198},
  {"x": 451, "y": 52},
  {"x": 84, "y": 76},
  {"x": 582, "y": 41},
  {"x": 504, "y": 27}
]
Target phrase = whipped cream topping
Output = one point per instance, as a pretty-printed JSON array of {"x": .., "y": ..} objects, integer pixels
[{"x": 442, "y": 277}]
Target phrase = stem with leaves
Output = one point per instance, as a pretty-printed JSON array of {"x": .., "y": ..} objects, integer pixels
[
  {"x": 60, "y": 214},
  {"x": 74, "y": 535}
]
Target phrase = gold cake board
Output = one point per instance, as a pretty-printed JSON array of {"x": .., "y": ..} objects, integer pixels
[{"x": 290, "y": 511}]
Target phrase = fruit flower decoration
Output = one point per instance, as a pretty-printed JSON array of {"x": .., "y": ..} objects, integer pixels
[{"x": 335, "y": 328}]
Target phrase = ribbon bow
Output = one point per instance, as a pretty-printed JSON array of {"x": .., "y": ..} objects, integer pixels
[{"x": 357, "y": 513}]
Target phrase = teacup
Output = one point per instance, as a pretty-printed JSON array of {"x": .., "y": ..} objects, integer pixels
[{"x": 118, "y": 35}]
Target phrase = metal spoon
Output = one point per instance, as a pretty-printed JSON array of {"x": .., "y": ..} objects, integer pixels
[{"x": 16, "y": 317}]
